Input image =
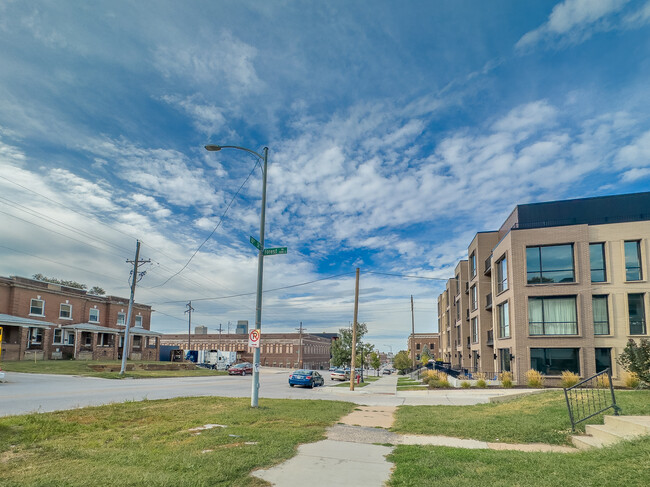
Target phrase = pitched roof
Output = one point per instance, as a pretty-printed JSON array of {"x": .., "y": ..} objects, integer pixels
[{"x": 10, "y": 320}]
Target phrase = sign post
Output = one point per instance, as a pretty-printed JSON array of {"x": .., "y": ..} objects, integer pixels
[{"x": 254, "y": 338}]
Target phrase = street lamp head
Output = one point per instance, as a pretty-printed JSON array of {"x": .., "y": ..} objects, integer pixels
[{"x": 213, "y": 148}]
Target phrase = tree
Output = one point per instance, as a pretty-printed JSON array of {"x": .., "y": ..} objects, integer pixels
[
  {"x": 402, "y": 361},
  {"x": 62, "y": 282},
  {"x": 425, "y": 356},
  {"x": 636, "y": 358},
  {"x": 342, "y": 348},
  {"x": 375, "y": 361},
  {"x": 97, "y": 291}
]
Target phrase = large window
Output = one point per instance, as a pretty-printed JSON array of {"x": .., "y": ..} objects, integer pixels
[
  {"x": 457, "y": 284},
  {"x": 57, "y": 338},
  {"x": 633, "y": 261},
  {"x": 121, "y": 318},
  {"x": 93, "y": 315},
  {"x": 597, "y": 261},
  {"x": 475, "y": 330},
  {"x": 603, "y": 359},
  {"x": 65, "y": 311},
  {"x": 458, "y": 310},
  {"x": 636, "y": 311},
  {"x": 549, "y": 264},
  {"x": 105, "y": 339},
  {"x": 601, "y": 315},
  {"x": 504, "y": 359},
  {"x": 138, "y": 320},
  {"x": 36, "y": 307},
  {"x": 34, "y": 336},
  {"x": 502, "y": 275},
  {"x": 552, "y": 315},
  {"x": 472, "y": 265},
  {"x": 503, "y": 315},
  {"x": 474, "y": 297},
  {"x": 554, "y": 361}
]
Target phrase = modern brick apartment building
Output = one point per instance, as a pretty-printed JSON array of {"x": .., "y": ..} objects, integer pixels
[
  {"x": 277, "y": 349},
  {"x": 560, "y": 286},
  {"x": 46, "y": 321}
]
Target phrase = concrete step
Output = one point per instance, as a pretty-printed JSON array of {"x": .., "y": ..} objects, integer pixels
[
  {"x": 615, "y": 429},
  {"x": 634, "y": 425},
  {"x": 586, "y": 442},
  {"x": 607, "y": 434}
]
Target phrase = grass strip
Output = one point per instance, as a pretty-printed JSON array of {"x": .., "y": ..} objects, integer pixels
[
  {"x": 626, "y": 463},
  {"x": 149, "y": 443},
  {"x": 84, "y": 368},
  {"x": 537, "y": 418}
]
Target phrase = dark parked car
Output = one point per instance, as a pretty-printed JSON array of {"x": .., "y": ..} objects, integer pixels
[
  {"x": 309, "y": 378},
  {"x": 244, "y": 368}
]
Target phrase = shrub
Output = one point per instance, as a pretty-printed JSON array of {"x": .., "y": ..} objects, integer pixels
[
  {"x": 602, "y": 382},
  {"x": 631, "y": 380},
  {"x": 534, "y": 378},
  {"x": 465, "y": 385},
  {"x": 506, "y": 379},
  {"x": 636, "y": 359},
  {"x": 481, "y": 383},
  {"x": 436, "y": 379},
  {"x": 569, "y": 379}
]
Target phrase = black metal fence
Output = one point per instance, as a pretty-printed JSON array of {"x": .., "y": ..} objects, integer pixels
[{"x": 591, "y": 397}]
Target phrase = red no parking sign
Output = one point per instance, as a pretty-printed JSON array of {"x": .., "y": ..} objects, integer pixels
[{"x": 254, "y": 339}]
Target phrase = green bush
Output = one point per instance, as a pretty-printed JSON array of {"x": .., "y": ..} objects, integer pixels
[
  {"x": 465, "y": 385},
  {"x": 481, "y": 383},
  {"x": 506, "y": 380}
]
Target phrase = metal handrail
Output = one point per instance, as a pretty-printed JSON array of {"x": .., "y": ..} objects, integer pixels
[{"x": 586, "y": 400}]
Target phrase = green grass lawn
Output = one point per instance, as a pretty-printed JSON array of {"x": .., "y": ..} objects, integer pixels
[
  {"x": 150, "y": 444},
  {"x": 82, "y": 367},
  {"x": 408, "y": 384},
  {"x": 537, "y": 418},
  {"x": 626, "y": 464},
  {"x": 367, "y": 380}
]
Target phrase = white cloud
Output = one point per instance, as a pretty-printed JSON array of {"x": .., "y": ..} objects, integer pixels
[
  {"x": 573, "y": 20},
  {"x": 635, "y": 174},
  {"x": 636, "y": 154},
  {"x": 640, "y": 17}
]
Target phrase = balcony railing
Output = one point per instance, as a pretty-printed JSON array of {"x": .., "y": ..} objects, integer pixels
[
  {"x": 467, "y": 288},
  {"x": 488, "y": 266},
  {"x": 490, "y": 338},
  {"x": 488, "y": 301},
  {"x": 467, "y": 315}
]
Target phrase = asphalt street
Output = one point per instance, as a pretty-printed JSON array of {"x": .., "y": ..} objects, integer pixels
[{"x": 26, "y": 393}]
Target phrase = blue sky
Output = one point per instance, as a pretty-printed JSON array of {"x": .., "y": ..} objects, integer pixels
[{"x": 396, "y": 131}]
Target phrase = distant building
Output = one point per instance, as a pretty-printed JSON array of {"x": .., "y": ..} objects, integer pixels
[
  {"x": 45, "y": 321},
  {"x": 242, "y": 327},
  {"x": 419, "y": 341},
  {"x": 200, "y": 330},
  {"x": 276, "y": 349}
]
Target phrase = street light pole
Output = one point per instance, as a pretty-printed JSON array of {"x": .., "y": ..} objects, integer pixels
[{"x": 260, "y": 265}]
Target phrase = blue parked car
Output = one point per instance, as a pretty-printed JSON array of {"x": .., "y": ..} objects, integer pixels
[{"x": 309, "y": 378}]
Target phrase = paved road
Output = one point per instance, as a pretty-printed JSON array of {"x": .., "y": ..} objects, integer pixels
[{"x": 25, "y": 393}]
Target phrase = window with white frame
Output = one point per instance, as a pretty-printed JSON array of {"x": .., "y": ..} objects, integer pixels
[
  {"x": 475, "y": 330},
  {"x": 35, "y": 335},
  {"x": 65, "y": 311},
  {"x": 121, "y": 318},
  {"x": 138, "y": 321},
  {"x": 57, "y": 337},
  {"x": 474, "y": 296},
  {"x": 105, "y": 339},
  {"x": 37, "y": 307},
  {"x": 69, "y": 337},
  {"x": 93, "y": 315}
]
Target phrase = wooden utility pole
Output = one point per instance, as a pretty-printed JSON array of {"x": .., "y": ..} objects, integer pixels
[
  {"x": 300, "y": 349},
  {"x": 189, "y": 325},
  {"x": 354, "y": 332},
  {"x": 134, "y": 280},
  {"x": 412, "y": 334}
]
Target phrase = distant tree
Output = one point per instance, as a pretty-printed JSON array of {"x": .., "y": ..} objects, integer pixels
[
  {"x": 97, "y": 291},
  {"x": 375, "y": 361},
  {"x": 425, "y": 356},
  {"x": 342, "y": 348},
  {"x": 363, "y": 354},
  {"x": 402, "y": 361},
  {"x": 636, "y": 358},
  {"x": 62, "y": 282}
]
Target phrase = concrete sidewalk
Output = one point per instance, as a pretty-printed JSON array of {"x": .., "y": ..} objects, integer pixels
[{"x": 354, "y": 453}]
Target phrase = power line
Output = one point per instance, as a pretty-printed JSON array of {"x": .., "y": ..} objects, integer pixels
[
  {"x": 265, "y": 291},
  {"x": 215, "y": 228},
  {"x": 410, "y": 277}
]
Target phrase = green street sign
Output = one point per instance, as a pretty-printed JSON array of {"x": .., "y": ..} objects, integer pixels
[
  {"x": 256, "y": 243},
  {"x": 275, "y": 251}
]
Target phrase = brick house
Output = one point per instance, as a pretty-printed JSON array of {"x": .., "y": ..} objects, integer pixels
[{"x": 46, "y": 321}]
